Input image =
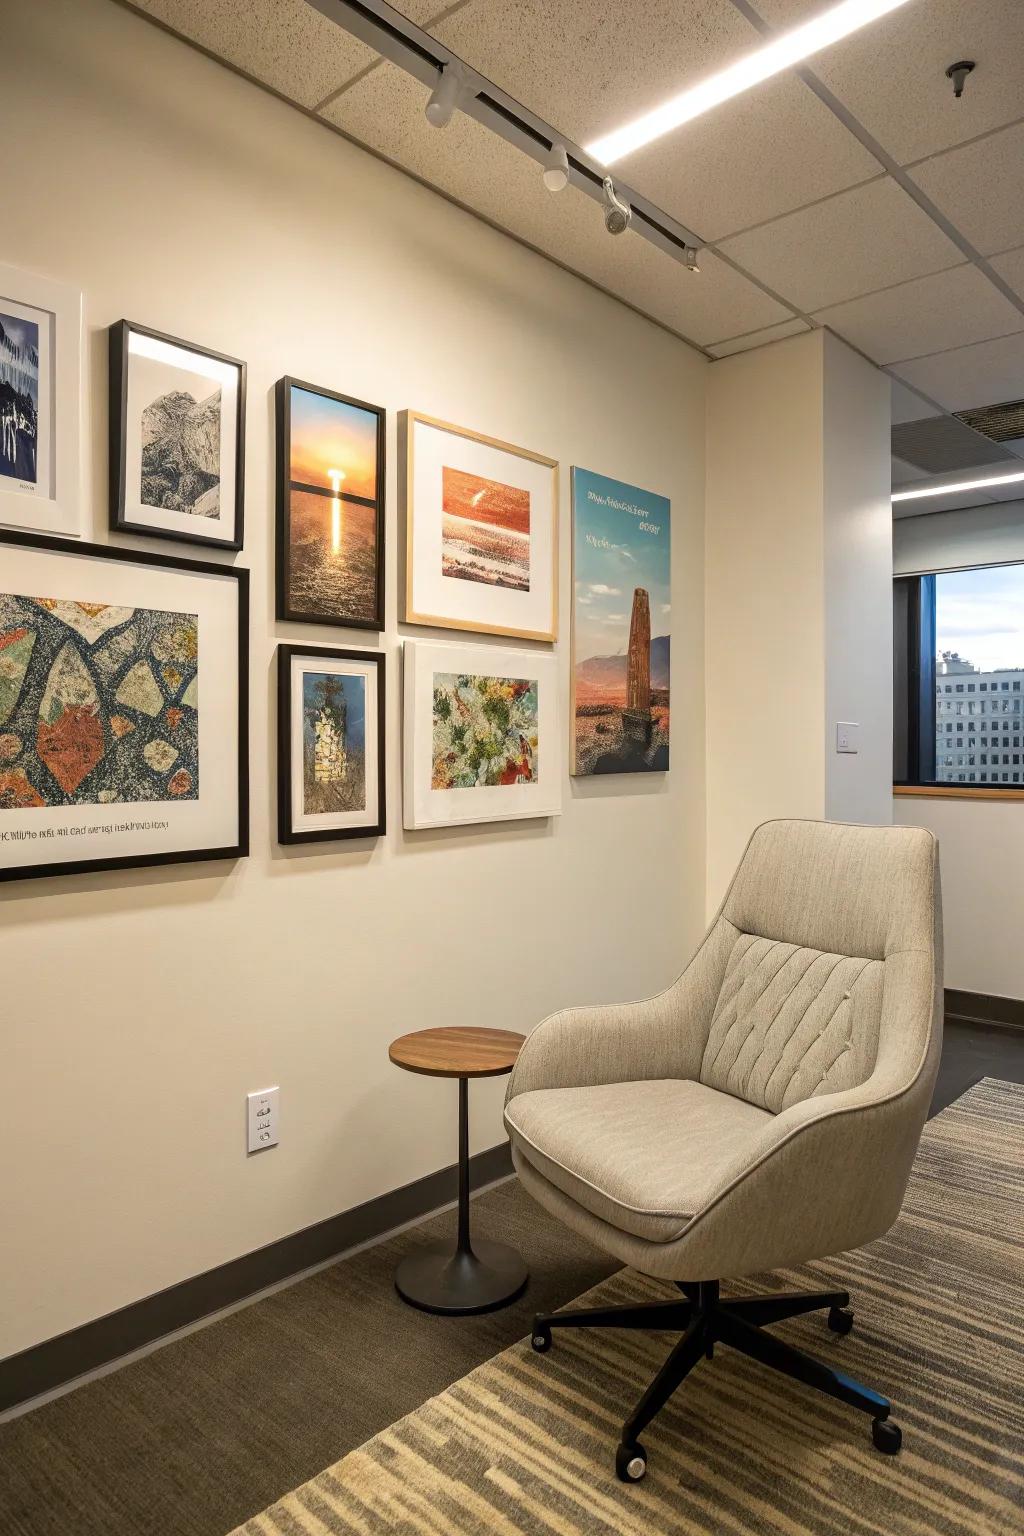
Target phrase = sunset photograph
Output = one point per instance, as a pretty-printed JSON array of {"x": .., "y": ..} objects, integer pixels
[{"x": 485, "y": 532}]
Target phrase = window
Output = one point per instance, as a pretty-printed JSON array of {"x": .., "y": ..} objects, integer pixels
[{"x": 958, "y": 633}]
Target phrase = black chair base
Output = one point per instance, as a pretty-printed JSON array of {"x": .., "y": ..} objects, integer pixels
[{"x": 704, "y": 1320}]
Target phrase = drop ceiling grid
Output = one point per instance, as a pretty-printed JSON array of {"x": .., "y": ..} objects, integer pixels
[{"x": 259, "y": 37}]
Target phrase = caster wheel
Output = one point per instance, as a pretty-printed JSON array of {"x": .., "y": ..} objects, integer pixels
[
  {"x": 887, "y": 1437},
  {"x": 630, "y": 1462},
  {"x": 840, "y": 1320},
  {"x": 541, "y": 1339}
]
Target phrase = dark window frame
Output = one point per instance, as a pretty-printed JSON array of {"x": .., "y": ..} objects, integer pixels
[{"x": 915, "y": 698}]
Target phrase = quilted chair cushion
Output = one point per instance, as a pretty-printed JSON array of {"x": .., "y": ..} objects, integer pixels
[{"x": 791, "y": 1023}]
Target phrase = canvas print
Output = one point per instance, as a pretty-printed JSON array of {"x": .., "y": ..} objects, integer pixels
[
  {"x": 99, "y": 703},
  {"x": 330, "y": 507},
  {"x": 179, "y": 430},
  {"x": 177, "y": 417},
  {"x": 333, "y": 743},
  {"x": 481, "y": 532},
  {"x": 621, "y": 627},
  {"x": 19, "y": 398},
  {"x": 486, "y": 731},
  {"x": 485, "y": 531}
]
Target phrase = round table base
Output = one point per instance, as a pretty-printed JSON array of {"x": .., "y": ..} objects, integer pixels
[{"x": 438, "y": 1280}]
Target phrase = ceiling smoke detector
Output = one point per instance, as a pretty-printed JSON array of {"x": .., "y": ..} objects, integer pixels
[{"x": 958, "y": 74}]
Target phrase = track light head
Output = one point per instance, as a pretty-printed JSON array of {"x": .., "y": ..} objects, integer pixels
[
  {"x": 556, "y": 169},
  {"x": 690, "y": 255},
  {"x": 617, "y": 215},
  {"x": 444, "y": 98}
]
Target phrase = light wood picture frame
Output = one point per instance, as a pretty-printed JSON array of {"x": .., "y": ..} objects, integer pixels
[{"x": 481, "y": 531}]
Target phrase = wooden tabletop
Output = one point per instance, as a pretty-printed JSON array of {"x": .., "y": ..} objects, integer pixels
[{"x": 458, "y": 1051}]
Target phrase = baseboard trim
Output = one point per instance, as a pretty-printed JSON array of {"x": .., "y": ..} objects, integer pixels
[
  {"x": 984, "y": 1008},
  {"x": 51, "y": 1364}
]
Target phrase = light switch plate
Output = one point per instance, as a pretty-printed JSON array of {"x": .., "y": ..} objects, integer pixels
[
  {"x": 264, "y": 1110},
  {"x": 847, "y": 732}
]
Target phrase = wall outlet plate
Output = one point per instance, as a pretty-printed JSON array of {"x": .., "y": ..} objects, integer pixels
[
  {"x": 264, "y": 1110},
  {"x": 847, "y": 732}
]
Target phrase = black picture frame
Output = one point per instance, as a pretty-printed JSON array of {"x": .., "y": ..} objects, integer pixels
[
  {"x": 285, "y": 831},
  {"x": 120, "y": 521},
  {"x": 240, "y": 847},
  {"x": 285, "y": 608}
]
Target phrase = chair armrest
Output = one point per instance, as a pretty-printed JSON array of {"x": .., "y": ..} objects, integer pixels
[{"x": 663, "y": 1036}]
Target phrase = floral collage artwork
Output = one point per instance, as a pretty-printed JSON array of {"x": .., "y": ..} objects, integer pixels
[{"x": 486, "y": 731}]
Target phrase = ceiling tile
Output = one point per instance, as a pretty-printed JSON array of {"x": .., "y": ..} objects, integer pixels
[
  {"x": 985, "y": 374},
  {"x": 284, "y": 43},
  {"x": 758, "y": 338},
  {"x": 908, "y": 405},
  {"x": 864, "y": 239},
  {"x": 928, "y": 315},
  {"x": 980, "y": 188},
  {"x": 1010, "y": 267},
  {"x": 892, "y": 74},
  {"x": 479, "y": 169},
  {"x": 904, "y": 473},
  {"x": 588, "y": 66}
]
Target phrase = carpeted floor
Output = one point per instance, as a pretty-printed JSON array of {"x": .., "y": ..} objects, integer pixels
[
  {"x": 194, "y": 1438},
  {"x": 524, "y": 1444}
]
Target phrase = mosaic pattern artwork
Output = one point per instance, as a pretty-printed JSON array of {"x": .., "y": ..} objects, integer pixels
[
  {"x": 485, "y": 531},
  {"x": 99, "y": 704},
  {"x": 485, "y": 731},
  {"x": 333, "y": 743}
]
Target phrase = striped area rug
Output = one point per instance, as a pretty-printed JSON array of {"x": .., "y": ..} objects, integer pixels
[{"x": 525, "y": 1443}]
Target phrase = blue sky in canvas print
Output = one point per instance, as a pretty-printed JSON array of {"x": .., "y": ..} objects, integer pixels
[
  {"x": 333, "y": 743},
  {"x": 621, "y": 626}
]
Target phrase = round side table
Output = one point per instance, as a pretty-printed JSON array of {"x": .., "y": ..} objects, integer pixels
[{"x": 478, "y": 1276}]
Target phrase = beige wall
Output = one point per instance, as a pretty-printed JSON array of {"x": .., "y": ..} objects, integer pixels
[
  {"x": 981, "y": 852},
  {"x": 799, "y": 591},
  {"x": 137, "y": 1009},
  {"x": 765, "y": 599}
]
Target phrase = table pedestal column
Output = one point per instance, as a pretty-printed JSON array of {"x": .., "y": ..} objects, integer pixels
[{"x": 479, "y": 1276}]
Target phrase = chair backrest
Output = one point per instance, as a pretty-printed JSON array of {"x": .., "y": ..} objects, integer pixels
[{"x": 819, "y": 910}]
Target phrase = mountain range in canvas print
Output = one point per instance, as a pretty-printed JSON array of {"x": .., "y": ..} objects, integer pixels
[
  {"x": 180, "y": 434},
  {"x": 621, "y": 627},
  {"x": 19, "y": 398},
  {"x": 333, "y": 743},
  {"x": 99, "y": 704},
  {"x": 485, "y": 530},
  {"x": 485, "y": 731}
]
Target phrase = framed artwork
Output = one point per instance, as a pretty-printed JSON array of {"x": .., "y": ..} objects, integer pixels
[
  {"x": 480, "y": 734},
  {"x": 330, "y": 744},
  {"x": 40, "y": 403},
  {"x": 177, "y": 439},
  {"x": 481, "y": 532},
  {"x": 330, "y": 507},
  {"x": 621, "y": 626},
  {"x": 123, "y": 708}
]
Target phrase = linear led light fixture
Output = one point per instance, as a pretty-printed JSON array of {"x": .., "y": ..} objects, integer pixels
[
  {"x": 781, "y": 53},
  {"x": 961, "y": 485},
  {"x": 425, "y": 58}
]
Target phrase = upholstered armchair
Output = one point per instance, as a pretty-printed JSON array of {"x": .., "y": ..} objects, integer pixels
[{"x": 762, "y": 1112}]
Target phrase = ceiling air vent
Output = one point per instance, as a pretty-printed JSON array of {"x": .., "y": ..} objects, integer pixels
[
  {"x": 942, "y": 443},
  {"x": 999, "y": 423}
]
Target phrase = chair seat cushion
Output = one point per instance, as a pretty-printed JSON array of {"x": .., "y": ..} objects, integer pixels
[{"x": 644, "y": 1156}]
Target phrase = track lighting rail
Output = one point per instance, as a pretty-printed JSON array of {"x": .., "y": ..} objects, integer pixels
[{"x": 399, "y": 40}]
